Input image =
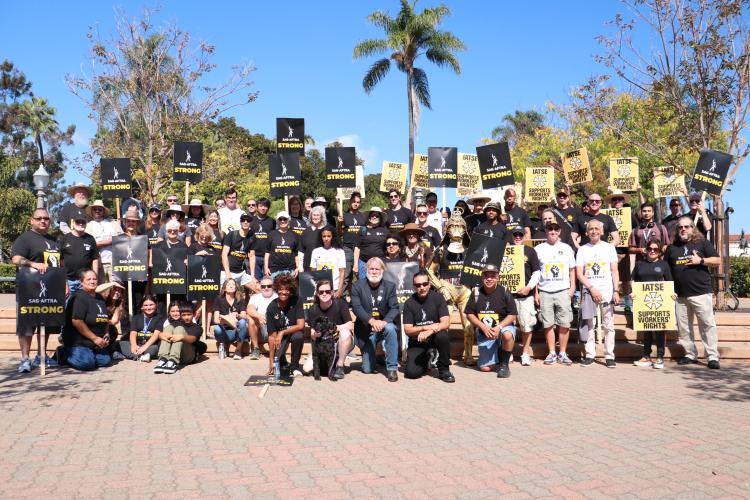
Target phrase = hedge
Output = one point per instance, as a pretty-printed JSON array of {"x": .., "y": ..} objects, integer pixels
[
  {"x": 739, "y": 269},
  {"x": 7, "y": 270}
]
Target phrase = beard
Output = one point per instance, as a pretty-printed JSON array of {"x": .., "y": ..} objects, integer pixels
[
  {"x": 684, "y": 237},
  {"x": 374, "y": 279}
]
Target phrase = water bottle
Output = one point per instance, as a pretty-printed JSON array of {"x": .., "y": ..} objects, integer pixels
[
  {"x": 276, "y": 369},
  {"x": 222, "y": 351}
]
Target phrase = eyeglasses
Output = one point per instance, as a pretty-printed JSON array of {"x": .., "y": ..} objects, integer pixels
[
  {"x": 615, "y": 200},
  {"x": 41, "y": 218},
  {"x": 172, "y": 231},
  {"x": 595, "y": 201},
  {"x": 422, "y": 213},
  {"x": 551, "y": 228},
  {"x": 391, "y": 243},
  {"x": 251, "y": 204},
  {"x": 685, "y": 227},
  {"x": 694, "y": 201},
  {"x": 653, "y": 249},
  {"x": 172, "y": 200},
  {"x": 324, "y": 292},
  {"x": 393, "y": 196},
  {"x": 421, "y": 285},
  {"x": 79, "y": 221},
  {"x": 489, "y": 276},
  {"x": 266, "y": 287},
  {"x": 374, "y": 216}
]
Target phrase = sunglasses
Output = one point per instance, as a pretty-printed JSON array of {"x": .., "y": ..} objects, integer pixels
[
  {"x": 562, "y": 195},
  {"x": 391, "y": 243},
  {"x": 653, "y": 249},
  {"x": 421, "y": 213},
  {"x": 172, "y": 231},
  {"x": 595, "y": 201},
  {"x": 324, "y": 292},
  {"x": 694, "y": 201},
  {"x": 553, "y": 228},
  {"x": 266, "y": 287},
  {"x": 489, "y": 276},
  {"x": 251, "y": 204},
  {"x": 394, "y": 196},
  {"x": 374, "y": 216},
  {"x": 422, "y": 285},
  {"x": 172, "y": 200},
  {"x": 618, "y": 199},
  {"x": 41, "y": 218},
  {"x": 245, "y": 221}
]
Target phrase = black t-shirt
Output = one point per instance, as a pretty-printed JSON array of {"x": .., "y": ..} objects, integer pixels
[
  {"x": 193, "y": 223},
  {"x": 670, "y": 222},
  {"x": 70, "y": 212},
  {"x": 261, "y": 229},
  {"x": 451, "y": 264},
  {"x": 606, "y": 220},
  {"x": 165, "y": 245},
  {"x": 395, "y": 220},
  {"x": 283, "y": 247},
  {"x": 700, "y": 226},
  {"x": 491, "y": 308},
  {"x": 537, "y": 229},
  {"x": 352, "y": 225},
  {"x": 338, "y": 313},
  {"x": 498, "y": 231},
  {"x": 93, "y": 312},
  {"x": 153, "y": 234},
  {"x": 530, "y": 262},
  {"x": 39, "y": 248},
  {"x": 431, "y": 237},
  {"x": 370, "y": 242},
  {"x": 473, "y": 220},
  {"x": 658, "y": 270},
  {"x": 144, "y": 327},
  {"x": 297, "y": 225},
  {"x": 517, "y": 217},
  {"x": 239, "y": 246},
  {"x": 78, "y": 252},
  {"x": 418, "y": 312},
  {"x": 196, "y": 247},
  {"x": 690, "y": 281},
  {"x": 193, "y": 329},
  {"x": 278, "y": 319},
  {"x": 570, "y": 215},
  {"x": 222, "y": 305}
]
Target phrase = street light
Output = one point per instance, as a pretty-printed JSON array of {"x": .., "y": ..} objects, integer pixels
[{"x": 41, "y": 181}]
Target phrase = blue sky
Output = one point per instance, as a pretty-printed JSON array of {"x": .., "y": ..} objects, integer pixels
[{"x": 520, "y": 55}]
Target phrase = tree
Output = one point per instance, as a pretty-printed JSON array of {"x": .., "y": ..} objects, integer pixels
[
  {"x": 15, "y": 203},
  {"x": 146, "y": 90},
  {"x": 520, "y": 123},
  {"x": 40, "y": 118},
  {"x": 408, "y": 36}
]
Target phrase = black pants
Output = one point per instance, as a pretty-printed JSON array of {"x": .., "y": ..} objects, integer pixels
[
  {"x": 418, "y": 357},
  {"x": 661, "y": 341},
  {"x": 297, "y": 340}
]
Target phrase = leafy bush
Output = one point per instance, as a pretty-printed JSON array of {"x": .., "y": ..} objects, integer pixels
[
  {"x": 7, "y": 270},
  {"x": 739, "y": 269}
]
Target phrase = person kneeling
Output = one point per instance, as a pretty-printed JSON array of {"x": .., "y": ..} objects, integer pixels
[
  {"x": 178, "y": 341},
  {"x": 426, "y": 323}
]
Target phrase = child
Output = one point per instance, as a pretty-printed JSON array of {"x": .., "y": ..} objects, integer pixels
[{"x": 178, "y": 340}]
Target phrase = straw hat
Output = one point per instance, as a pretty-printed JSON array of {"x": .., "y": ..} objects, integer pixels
[
  {"x": 132, "y": 213},
  {"x": 481, "y": 195},
  {"x": 412, "y": 228},
  {"x": 97, "y": 204},
  {"x": 174, "y": 209},
  {"x": 196, "y": 202},
  {"x": 79, "y": 185},
  {"x": 618, "y": 194}
]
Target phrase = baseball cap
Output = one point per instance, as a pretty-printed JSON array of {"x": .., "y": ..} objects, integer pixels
[
  {"x": 282, "y": 215},
  {"x": 518, "y": 230},
  {"x": 490, "y": 268}
]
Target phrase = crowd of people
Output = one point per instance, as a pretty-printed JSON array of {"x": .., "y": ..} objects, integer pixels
[{"x": 572, "y": 256}]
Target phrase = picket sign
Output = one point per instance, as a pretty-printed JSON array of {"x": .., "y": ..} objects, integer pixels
[{"x": 42, "y": 350}]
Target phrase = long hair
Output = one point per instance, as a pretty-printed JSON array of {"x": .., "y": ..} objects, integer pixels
[
  {"x": 237, "y": 290},
  {"x": 695, "y": 236},
  {"x": 335, "y": 242},
  {"x": 301, "y": 206}
]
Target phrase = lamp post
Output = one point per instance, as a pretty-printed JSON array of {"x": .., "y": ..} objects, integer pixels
[{"x": 41, "y": 181}]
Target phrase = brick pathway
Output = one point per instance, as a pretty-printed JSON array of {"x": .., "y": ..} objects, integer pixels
[{"x": 547, "y": 431}]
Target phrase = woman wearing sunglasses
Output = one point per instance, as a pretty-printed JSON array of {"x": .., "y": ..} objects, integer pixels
[
  {"x": 393, "y": 248},
  {"x": 369, "y": 241},
  {"x": 652, "y": 268}
]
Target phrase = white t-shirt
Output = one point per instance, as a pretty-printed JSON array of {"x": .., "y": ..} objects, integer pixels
[
  {"x": 556, "y": 261},
  {"x": 596, "y": 261},
  {"x": 102, "y": 230},
  {"x": 260, "y": 302},
  {"x": 230, "y": 219},
  {"x": 332, "y": 258},
  {"x": 436, "y": 220}
]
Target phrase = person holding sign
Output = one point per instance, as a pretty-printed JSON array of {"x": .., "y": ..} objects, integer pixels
[
  {"x": 652, "y": 268},
  {"x": 172, "y": 240},
  {"x": 196, "y": 213},
  {"x": 145, "y": 328},
  {"x": 514, "y": 215},
  {"x": 261, "y": 226},
  {"x": 86, "y": 331},
  {"x": 698, "y": 209},
  {"x": 557, "y": 286},
  {"x": 524, "y": 297},
  {"x": 236, "y": 249},
  {"x": 492, "y": 311},
  {"x": 297, "y": 219},
  {"x": 609, "y": 228},
  {"x": 689, "y": 258},
  {"x": 426, "y": 323},
  {"x": 38, "y": 250},
  {"x": 152, "y": 224},
  {"x": 175, "y": 213},
  {"x": 397, "y": 216},
  {"x": 204, "y": 243},
  {"x": 102, "y": 228},
  {"x": 617, "y": 200},
  {"x": 596, "y": 265}
]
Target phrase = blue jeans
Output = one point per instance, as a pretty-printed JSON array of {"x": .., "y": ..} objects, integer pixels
[
  {"x": 389, "y": 337},
  {"x": 227, "y": 335},
  {"x": 259, "y": 266},
  {"x": 74, "y": 286},
  {"x": 362, "y": 269},
  {"x": 348, "y": 272},
  {"x": 86, "y": 358}
]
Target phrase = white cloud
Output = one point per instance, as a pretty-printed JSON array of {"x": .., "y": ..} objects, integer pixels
[{"x": 367, "y": 153}]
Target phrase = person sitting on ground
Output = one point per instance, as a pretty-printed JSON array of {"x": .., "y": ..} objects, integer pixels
[
  {"x": 177, "y": 342},
  {"x": 330, "y": 255},
  {"x": 492, "y": 311},
  {"x": 143, "y": 341},
  {"x": 337, "y": 310},
  {"x": 426, "y": 323},
  {"x": 86, "y": 330},
  {"x": 230, "y": 319},
  {"x": 256, "y": 313},
  {"x": 114, "y": 297},
  {"x": 286, "y": 323}
]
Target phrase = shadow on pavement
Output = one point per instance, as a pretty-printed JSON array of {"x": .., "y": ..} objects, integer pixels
[
  {"x": 731, "y": 383},
  {"x": 58, "y": 383}
]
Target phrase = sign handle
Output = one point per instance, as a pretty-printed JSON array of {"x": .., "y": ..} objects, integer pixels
[
  {"x": 698, "y": 213},
  {"x": 404, "y": 340},
  {"x": 286, "y": 204},
  {"x": 443, "y": 196},
  {"x": 187, "y": 192},
  {"x": 169, "y": 299},
  {"x": 42, "y": 350},
  {"x": 130, "y": 298},
  {"x": 117, "y": 208},
  {"x": 204, "y": 316}
]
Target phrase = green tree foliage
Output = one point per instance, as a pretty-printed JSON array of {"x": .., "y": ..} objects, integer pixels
[
  {"x": 15, "y": 203},
  {"x": 410, "y": 35},
  {"x": 520, "y": 123}
]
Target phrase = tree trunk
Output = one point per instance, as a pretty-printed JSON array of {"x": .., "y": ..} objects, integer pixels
[
  {"x": 410, "y": 101},
  {"x": 41, "y": 150}
]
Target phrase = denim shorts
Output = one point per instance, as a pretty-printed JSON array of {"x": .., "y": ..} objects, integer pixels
[{"x": 488, "y": 347}]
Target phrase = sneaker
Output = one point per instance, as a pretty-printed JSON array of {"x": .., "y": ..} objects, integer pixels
[
  {"x": 503, "y": 371},
  {"x": 658, "y": 364},
  {"x": 146, "y": 358},
  {"x": 339, "y": 373},
  {"x": 117, "y": 356},
  {"x": 24, "y": 366},
  {"x": 525, "y": 359},
  {"x": 237, "y": 355},
  {"x": 587, "y": 361},
  {"x": 687, "y": 361},
  {"x": 255, "y": 353},
  {"x": 714, "y": 364},
  {"x": 564, "y": 359},
  {"x": 35, "y": 362},
  {"x": 296, "y": 373},
  {"x": 551, "y": 359},
  {"x": 48, "y": 362},
  {"x": 169, "y": 367},
  {"x": 159, "y": 368},
  {"x": 644, "y": 361},
  {"x": 611, "y": 363}
]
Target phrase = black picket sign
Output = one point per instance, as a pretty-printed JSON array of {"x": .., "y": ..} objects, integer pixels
[
  {"x": 188, "y": 161},
  {"x": 284, "y": 174},
  {"x": 307, "y": 283},
  {"x": 169, "y": 271},
  {"x": 204, "y": 275},
  {"x": 401, "y": 274},
  {"x": 116, "y": 177},
  {"x": 711, "y": 171},
  {"x": 495, "y": 165},
  {"x": 442, "y": 167},
  {"x": 341, "y": 171},
  {"x": 130, "y": 257},
  {"x": 482, "y": 250},
  {"x": 41, "y": 297},
  {"x": 290, "y": 135}
]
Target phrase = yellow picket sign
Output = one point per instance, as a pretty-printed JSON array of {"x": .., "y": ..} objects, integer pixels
[
  {"x": 653, "y": 306},
  {"x": 393, "y": 176},
  {"x": 576, "y": 166},
  {"x": 419, "y": 174},
  {"x": 512, "y": 274},
  {"x": 624, "y": 222},
  {"x": 540, "y": 184},
  {"x": 623, "y": 173},
  {"x": 668, "y": 182},
  {"x": 469, "y": 176}
]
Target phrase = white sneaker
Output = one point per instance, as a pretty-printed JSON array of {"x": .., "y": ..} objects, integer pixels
[
  {"x": 296, "y": 373},
  {"x": 24, "y": 366},
  {"x": 146, "y": 358},
  {"x": 525, "y": 359}
]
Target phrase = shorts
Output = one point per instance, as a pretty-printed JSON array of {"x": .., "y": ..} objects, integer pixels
[
  {"x": 555, "y": 309},
  {"x": 488, "y": 347},
  {"x": 242, "y": 277},
  {"x": 526, "y": 313}
]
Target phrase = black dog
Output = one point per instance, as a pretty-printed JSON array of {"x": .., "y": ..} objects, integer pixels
[{"x": 324, "y": 349}]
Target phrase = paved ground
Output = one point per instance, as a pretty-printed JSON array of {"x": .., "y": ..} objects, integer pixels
[{"x": 547, "y": 431}]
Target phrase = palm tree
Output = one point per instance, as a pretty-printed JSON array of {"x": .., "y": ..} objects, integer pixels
[
  {"x": 409, "y": 35},
  {"x": 40, "y": 118},
  {"x": 520, "y": 123}
]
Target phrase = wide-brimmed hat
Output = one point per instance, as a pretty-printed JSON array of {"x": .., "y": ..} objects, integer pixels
[
  {"x": 96, "y": 204},
  {"x": 412, "y": 228},
  {"x": 79, "y": 185},
  {"x": 377, "y": 210},
  {"x": 320, "y": 201},
  {"x": 618, "y": 194},
  {"x": 132, "y": 213},
  {"x": 481, "y": 195},
  {"x": 175, "y": 209},
  {"x": 106, "y": 286},
  {"x": 196, "y": 202}
]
